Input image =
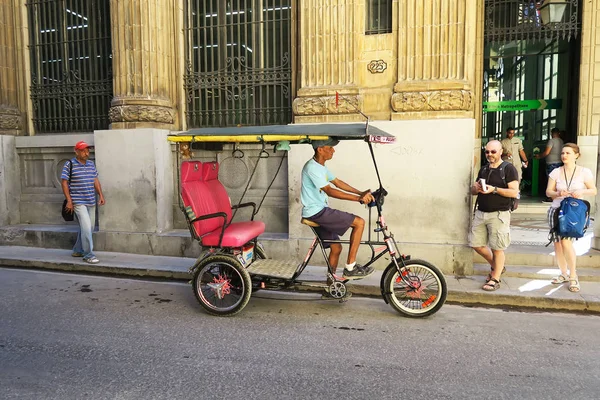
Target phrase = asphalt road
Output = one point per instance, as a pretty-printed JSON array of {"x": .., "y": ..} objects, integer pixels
[{"x": 65, "y": 336}]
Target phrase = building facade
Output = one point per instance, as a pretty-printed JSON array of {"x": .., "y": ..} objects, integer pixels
[{"x": 125, "y": 73}]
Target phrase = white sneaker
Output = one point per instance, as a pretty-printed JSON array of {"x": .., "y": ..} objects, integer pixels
[{"x": 91, "y": 260}]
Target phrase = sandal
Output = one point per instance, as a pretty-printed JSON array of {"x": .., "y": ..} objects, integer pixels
[
  {"x": 491, "y": 285},
  {"x": 558, "y": 280},
  {"x": 489, "y": 276},
  {"x": 574, "y": 285}
]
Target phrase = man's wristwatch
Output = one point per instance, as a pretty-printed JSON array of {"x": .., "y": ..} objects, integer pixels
[{"x": 495, "y": 190}]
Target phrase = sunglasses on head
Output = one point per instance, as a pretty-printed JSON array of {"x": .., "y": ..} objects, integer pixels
[{"x": 491, "y": 151}]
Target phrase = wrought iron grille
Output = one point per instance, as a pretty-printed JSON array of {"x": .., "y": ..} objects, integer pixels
[
  {"x": 239, "y": 66},
  {"x": 507, "y": 20},
  {"x": 379, "y": 17},
  {"x": 71, "y": 64}
]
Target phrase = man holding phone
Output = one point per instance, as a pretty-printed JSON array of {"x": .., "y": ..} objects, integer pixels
[{"x": 490, "y": 232}]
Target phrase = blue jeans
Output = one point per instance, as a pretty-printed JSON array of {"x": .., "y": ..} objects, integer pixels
[
  {"x": 86, "y": 216},
  {"x": 551, "y": 167}
]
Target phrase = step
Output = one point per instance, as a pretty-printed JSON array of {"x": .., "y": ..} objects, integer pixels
[
  {"x": 532, "y": 208},
  {"x": 538, "y": 273},
  {"x": 544, "y": 256},
  {"x": 173, "y": 243}
]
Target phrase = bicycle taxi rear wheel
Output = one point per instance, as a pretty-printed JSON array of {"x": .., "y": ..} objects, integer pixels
[
  {"x": 423, "y": 294},
  {"x": 221, "y": 285}
]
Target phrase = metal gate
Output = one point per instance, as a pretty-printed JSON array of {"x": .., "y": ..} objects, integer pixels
[
  {"x": 238, "y": 62},
  {"x": 71, "y": 64},
  {"x": 507, "y": 20}
]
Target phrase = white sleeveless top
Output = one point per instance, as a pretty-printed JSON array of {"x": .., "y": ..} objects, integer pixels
[{"x": 581, "y": 175}]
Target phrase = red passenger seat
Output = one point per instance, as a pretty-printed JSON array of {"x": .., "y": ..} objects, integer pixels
[{"x": 203, "y": 195}]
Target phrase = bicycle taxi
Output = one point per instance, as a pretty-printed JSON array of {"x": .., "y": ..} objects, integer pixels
[{"x": 233, "y": 263}]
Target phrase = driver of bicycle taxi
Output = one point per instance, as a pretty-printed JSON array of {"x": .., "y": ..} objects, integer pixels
[{"x": 316, "y": 189}]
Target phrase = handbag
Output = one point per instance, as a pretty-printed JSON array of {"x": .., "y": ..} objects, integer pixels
[{"x": 66, "y": 214}]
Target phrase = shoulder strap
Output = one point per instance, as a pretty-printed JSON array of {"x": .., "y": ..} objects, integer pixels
[
  {"x": 70, "y": 169},
  {"x": 502, "y": 174},
  {"x": 486, "y": 168}
]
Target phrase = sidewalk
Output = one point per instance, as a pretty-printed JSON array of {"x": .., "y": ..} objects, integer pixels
[{"x": 530, "y": 290}]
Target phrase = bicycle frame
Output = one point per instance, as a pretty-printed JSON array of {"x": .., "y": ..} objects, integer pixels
[{"x": 387, "y": 246}]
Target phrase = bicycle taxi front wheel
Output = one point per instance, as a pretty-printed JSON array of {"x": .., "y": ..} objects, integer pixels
[
  {"x": 222, "y": 285},
  {"x": 417, "y": 291}
]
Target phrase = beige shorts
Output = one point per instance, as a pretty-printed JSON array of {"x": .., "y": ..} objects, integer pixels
[{"x": 491, "y": 228}]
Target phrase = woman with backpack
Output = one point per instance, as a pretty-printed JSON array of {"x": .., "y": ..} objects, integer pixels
[{"x": 574, "y": 181}]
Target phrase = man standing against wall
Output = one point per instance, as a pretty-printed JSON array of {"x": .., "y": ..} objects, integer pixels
[
  {"x": 513, "y": 152},
  {"x": 80, "y": 184},
  {"x": 496, "y": 184}
]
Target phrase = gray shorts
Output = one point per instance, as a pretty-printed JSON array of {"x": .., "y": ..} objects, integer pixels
[
  {"x": 333, "y": 223},
  {"x": 491, "y": 228}
]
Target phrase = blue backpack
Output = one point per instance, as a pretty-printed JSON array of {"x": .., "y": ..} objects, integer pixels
[{"x": 573, "y": 217}]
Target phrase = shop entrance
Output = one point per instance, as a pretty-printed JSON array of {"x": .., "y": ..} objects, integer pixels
[{"x": 531, "y": 81}]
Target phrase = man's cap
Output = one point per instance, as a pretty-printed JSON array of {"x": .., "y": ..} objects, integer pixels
[
  {"x": 320, "y": 143},
  {"x": 81, "y": 145}
]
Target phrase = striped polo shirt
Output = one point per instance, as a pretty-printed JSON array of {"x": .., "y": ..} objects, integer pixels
[{"x": 82, "y": 182}]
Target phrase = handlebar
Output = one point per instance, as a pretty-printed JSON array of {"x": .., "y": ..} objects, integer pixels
[{"x": 379, "y": 196}]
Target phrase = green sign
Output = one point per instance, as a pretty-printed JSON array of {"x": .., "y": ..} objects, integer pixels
[{"x": 522, "y": 105}]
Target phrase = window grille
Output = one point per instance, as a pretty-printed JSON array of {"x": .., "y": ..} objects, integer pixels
[
  {"x": 238, "y": 62},
  {"x": 71, "y": 64},
  {"x": 507, "y": 20},
  {"x": 379, "y": 17}
]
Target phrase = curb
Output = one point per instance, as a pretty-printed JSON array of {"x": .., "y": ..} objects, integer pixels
[
  {"x": 455, "y": 296},
  {"x": 121, "y": 271}
]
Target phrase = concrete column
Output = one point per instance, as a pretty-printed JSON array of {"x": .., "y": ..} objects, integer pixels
[
  {"x": 10, "y": 183},
  {"x": 136, "y": 174},
  {"x": 11, "y": 121},
  {"x": 589, "y": 98},
  {"x": 143, "y": 40},
  {"x": 437, "y": 59},
  {"x": 328, "y": 47}
]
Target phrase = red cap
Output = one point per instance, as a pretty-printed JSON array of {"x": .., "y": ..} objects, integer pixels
[{"x": 81, "y": 145}]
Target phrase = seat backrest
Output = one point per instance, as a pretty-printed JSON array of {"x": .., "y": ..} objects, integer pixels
[
  {"x": 210, "y": 176},
  {"x": 204, "y": 197},
  {"x": 191, "y": 171}
]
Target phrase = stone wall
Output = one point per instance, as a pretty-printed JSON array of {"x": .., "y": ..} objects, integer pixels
[
  {"x": 427, "y": 174},
  {"x": 39, "y": 162}
]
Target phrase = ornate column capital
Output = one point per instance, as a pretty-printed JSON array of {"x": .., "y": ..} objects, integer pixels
[
  {"x": 325, "y": 105},
  {"x": 10, "y": 119},
  {"x": 135, "y": 109},
  {"x": 137, "y": 113},
  {"x": 441, "y": 100}
]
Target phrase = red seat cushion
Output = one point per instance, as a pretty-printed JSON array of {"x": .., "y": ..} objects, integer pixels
[{"x": 237, "y": 234}]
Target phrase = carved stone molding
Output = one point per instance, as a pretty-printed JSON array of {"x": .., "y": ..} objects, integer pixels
[
  {"x": 444, "y": 100},
  {"x": 326, "y": 105},
  {"x": 137, "y": 113},
  {"x": 10, "y": 119}
]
